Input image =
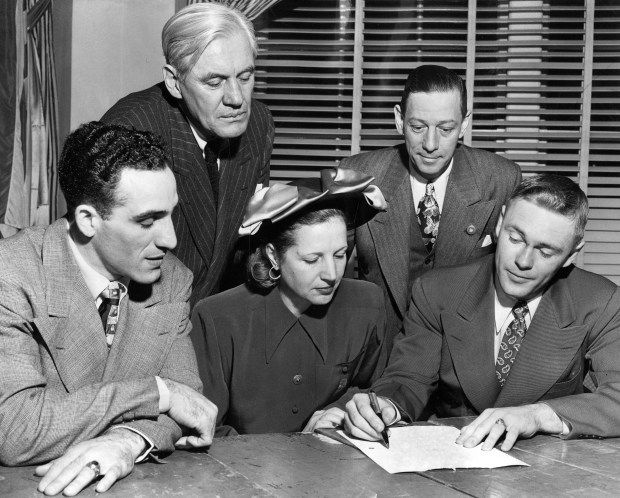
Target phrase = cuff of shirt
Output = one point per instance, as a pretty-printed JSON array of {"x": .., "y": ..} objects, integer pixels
[
  {"x": 164, "y": 395},
  {"x": 149, "y": 444}
]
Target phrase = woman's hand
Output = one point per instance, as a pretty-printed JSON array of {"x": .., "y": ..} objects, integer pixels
[{"x": 325, "y": 419}]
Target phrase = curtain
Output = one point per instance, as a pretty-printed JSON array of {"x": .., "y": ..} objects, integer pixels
[
  {"x": 251, "y": 8},
  {"x": 29, "y": 149}
]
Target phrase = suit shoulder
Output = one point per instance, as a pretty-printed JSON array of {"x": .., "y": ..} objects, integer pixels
[
  {"x": 21, "y": 250},
  {"x": 586, "y": 284},
  {"x": 261, "y": 111},
  {"x": 174, "y": 271},
  {"x": 373, "y": 162},
  {"x": 132, "y": 108}
]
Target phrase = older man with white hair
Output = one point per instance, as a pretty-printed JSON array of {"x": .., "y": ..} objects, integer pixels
[{"x": 219, "y": 139}]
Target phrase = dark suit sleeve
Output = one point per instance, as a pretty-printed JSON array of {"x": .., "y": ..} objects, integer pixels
[
  {"x": 413, "y": 369},
  {"x": 597, "y": 413}
]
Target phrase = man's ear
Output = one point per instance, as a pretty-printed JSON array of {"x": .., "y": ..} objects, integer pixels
[
  {"x": 500, "y": 220},
  {"x": 465, "y": 124},
  {"x": 171, "y": 79},
  {"x": 398, "y": 119},
  {"x": 571, "y": 258},
  {"x": 87, "y": 220}
]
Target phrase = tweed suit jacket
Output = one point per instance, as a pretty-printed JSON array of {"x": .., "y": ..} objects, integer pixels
[
  {"x": 206, "y": 235},
  {"x": 59, "y": 385},
  {"x": 443, "y": 363},
  {"x": 479, "y": 184}
]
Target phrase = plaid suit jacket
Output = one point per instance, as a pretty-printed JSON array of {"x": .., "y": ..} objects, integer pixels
[
  {"x": 444, "y": 360},
  {"x": 479, "y": 184},
  {"x": 206, "y": 235},
  {"x": 59, "y": 385}
]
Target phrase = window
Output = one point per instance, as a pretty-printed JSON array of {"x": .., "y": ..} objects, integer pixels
[{"x": 542, "y": 77}]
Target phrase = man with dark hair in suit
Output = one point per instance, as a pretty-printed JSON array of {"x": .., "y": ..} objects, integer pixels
[
  {"x": 97, "y": 370},
  {"x": 444, "y": 198},
  {"x": 219, "y": 139},
  {"x": 523, "y": 338}
]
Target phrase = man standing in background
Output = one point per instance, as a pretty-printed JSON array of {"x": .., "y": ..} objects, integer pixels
[
  {"x": 219, "y": 139},
  {"x": 444, "y": 198}
]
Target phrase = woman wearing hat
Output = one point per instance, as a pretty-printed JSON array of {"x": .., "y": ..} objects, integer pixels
[{"x": 275, "y": 352}]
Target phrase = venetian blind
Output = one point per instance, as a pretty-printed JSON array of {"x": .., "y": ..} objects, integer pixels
[{"x": 542, "y": 77}]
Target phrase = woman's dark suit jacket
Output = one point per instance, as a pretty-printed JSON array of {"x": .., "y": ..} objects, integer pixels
[{"x": 268, "y": 371}]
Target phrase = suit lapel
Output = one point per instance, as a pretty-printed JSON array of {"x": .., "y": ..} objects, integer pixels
[
  {"x": 470, "y": 335},
  {"x": 238, "y": 178},
  {"x": 143, "y": 333},
  {"x": 72, "y": 330},
  {"x": 390, "y": 230},
  {"x": 195, "y": 196},
  {"x": 463, "y": 213},
  {"x": 550, "y": 344}
]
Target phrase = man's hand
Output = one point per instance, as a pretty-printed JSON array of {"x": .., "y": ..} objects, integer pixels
[
  {"x": 325, "y": 419},
  {"x": 519, "y": 421},
  {"x": 361, "y": 421},
  {"x": 115, "y": 451},
  {"x": 193, "y": 411}
]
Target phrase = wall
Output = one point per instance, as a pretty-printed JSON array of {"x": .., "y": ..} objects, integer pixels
[{"x": 115, "y": 50}]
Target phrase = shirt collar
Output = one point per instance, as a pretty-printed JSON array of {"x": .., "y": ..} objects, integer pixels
[
  {"x": 199, "y": 140},
  {"x": 279, "y": 320},
  {"x": 95, "y": 281},
  {"x": 503, "y": 310},
  {"x": 418, "y": 186}
]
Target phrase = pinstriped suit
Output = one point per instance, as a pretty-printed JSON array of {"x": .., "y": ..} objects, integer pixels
[
  {"x": 206, "y": 236},
  {"x": 446, "y": 354},
  {"x": 58, "y": 383},
  {"x": 479, "y": 184}
]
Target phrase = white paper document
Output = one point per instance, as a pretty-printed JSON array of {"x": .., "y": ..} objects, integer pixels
[{"x": 421, "y": 448}]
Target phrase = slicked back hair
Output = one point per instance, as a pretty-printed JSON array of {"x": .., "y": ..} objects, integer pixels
[{"x": 430, "y": 78}]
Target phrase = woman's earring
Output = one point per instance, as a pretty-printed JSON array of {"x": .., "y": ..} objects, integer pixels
[{"x": 274, "y": 269}]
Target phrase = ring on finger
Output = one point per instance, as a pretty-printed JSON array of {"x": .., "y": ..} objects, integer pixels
[
  {"x": 94, "y": 466},
  {"x": 500, "y": 421}
]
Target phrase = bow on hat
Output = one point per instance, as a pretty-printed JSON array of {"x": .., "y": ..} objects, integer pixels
[{"x": 281, "y": 200}]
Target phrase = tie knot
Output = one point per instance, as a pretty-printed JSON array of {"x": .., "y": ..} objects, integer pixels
[
  {"x": 520, "y": 310},
  {"x": 430, "y": 189},
  {"x": 113, "y": 292},
  {"x": 212, "y": 149}
]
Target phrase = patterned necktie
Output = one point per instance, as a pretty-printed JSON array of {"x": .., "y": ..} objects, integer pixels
[
  {"x": 211, "y": 154},
  {"x": 511, "y": 342},
  {"x": 428, "y": 216},
  {"x": 109, "y": 308}
]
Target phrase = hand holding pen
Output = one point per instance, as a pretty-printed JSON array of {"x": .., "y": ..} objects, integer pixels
[{"x": 374, "y": 403}]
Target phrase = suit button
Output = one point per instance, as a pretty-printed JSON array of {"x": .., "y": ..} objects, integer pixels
[
  {"x": 345, "y": 369},
  {"x": 295, "y": 409},
  {"x": 471, "y": 229},
  {"x": 297, "y": 379},
  {"x": 428, "y": 261}
]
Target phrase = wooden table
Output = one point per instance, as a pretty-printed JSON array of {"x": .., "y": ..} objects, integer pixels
[{"x": 292, "y": 465}]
